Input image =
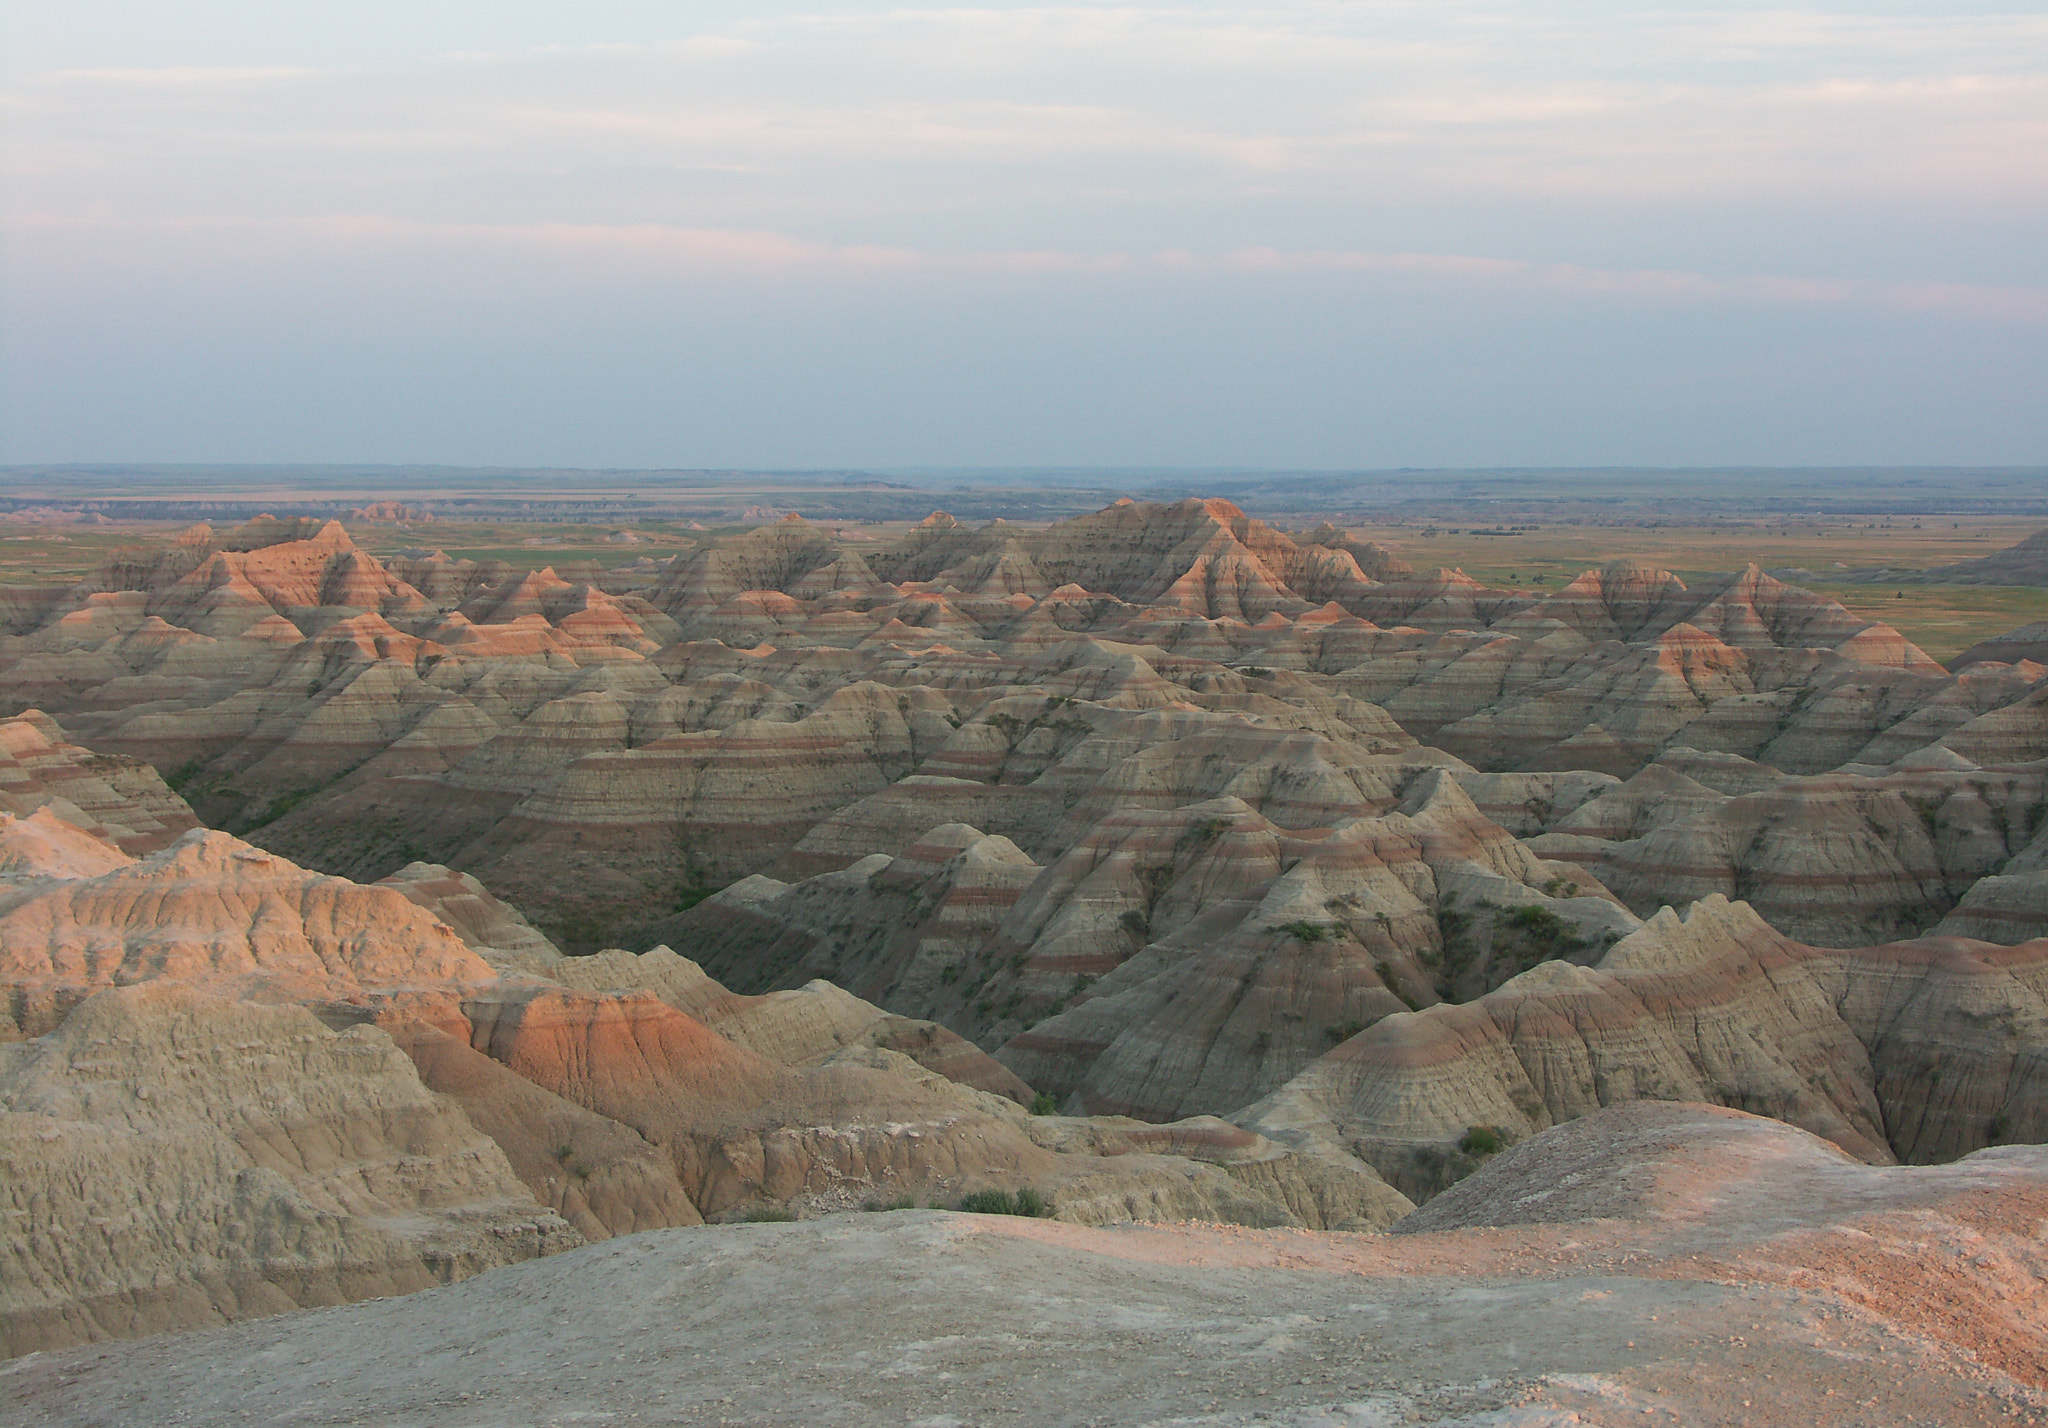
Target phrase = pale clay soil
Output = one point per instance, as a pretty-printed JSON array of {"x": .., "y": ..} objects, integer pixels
[{"x": 937, "y": 1320}]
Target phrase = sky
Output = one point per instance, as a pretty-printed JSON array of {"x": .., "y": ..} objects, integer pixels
[{"x": 1295, "y": 235}]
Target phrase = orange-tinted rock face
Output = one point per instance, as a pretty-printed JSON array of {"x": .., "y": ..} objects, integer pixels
[
  {"x": 739, "y": 1128},
  {"x": 120, "y": 800},
  {"x": 597, "y": 1174},
  {"x": 212, "y": 911}
]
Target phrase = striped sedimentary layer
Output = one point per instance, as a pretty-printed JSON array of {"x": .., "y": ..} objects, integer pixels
[{"x": 1918, "y": 1051}]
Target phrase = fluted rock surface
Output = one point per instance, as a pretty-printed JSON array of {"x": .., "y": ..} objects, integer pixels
[
  {"x": 214, "y": 911},
  {"x": 494, "y": 930},
  {"x": 173, "y": 1160},
  {"x": 120, "y": 800},
  {"x": 1917, "y": 1050},
  {"x": 1838, "y": 859}
]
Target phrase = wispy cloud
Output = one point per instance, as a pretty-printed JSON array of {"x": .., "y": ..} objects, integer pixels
[
  {"x": 638, "y": 252},
  {"x": 1517, "y": 176},
  {"x": 914, "y": 106},
  {"x": 179, "y": 76}
]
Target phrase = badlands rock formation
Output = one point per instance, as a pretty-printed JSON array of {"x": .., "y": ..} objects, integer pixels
[
  {"x": 783, "y": 703},
  {"x": 2028, "y": 642},
  {"x": 174, "y": 1160},
  {"x": 1660, "y": 1264},
  {"x": 1918, "y": 1051},
  {"x": 1297, "y": 879},
  {"x": 118, "y": 800},
  {"x": 1864, "y": 853},
  {"x": 236, "y": 1086}
]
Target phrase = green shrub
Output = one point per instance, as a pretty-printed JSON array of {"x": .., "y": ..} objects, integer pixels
[
  {"x": 1344, "y": 1030},
  {"x": 1026, "y": 1202},
  {"x": 769, "y": 1215},
  {"x": 1536, "y": 934},
  {"x": 1541, "y": 922},
  {"x": 883, "y": 1206},
  {"x": 1310, "y": 932},
  {"x": 1480, "y": 1140},
  {"x": 1204, "y": 831},
  {"x": 1044, "y": 1104},
  {"x": 688, "y": 897}
]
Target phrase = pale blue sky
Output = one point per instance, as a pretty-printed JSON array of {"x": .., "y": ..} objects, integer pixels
[{"x": 1312, "y": 234}]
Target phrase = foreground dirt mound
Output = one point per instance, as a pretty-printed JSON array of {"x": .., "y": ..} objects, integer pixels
[
  {"x": 1699, "y": 1169},
  {"x": 1859, "y": 1296}
]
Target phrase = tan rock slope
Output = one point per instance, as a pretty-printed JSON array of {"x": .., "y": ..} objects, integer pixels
[
  {"x": 1917, "y": 1051},
  {"x": 119, "y": 800},
  {"x": 1861, "y": 854},
  {"x": 2028, "y": 642},
  {"x": 1663, "y": 1264},
  {"x": 174, "y": 1160}
]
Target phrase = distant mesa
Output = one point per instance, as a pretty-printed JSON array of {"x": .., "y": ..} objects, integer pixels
[
  {"x": 391, "y": 511},
  {"x": 2023, "y": 564}
]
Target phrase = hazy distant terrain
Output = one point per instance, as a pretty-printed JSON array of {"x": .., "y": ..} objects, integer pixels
[{"x": 1599, "y": 496}]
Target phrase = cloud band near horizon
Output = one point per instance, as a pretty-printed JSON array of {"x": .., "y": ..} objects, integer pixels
[{"x": 1824, "y": 180}]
